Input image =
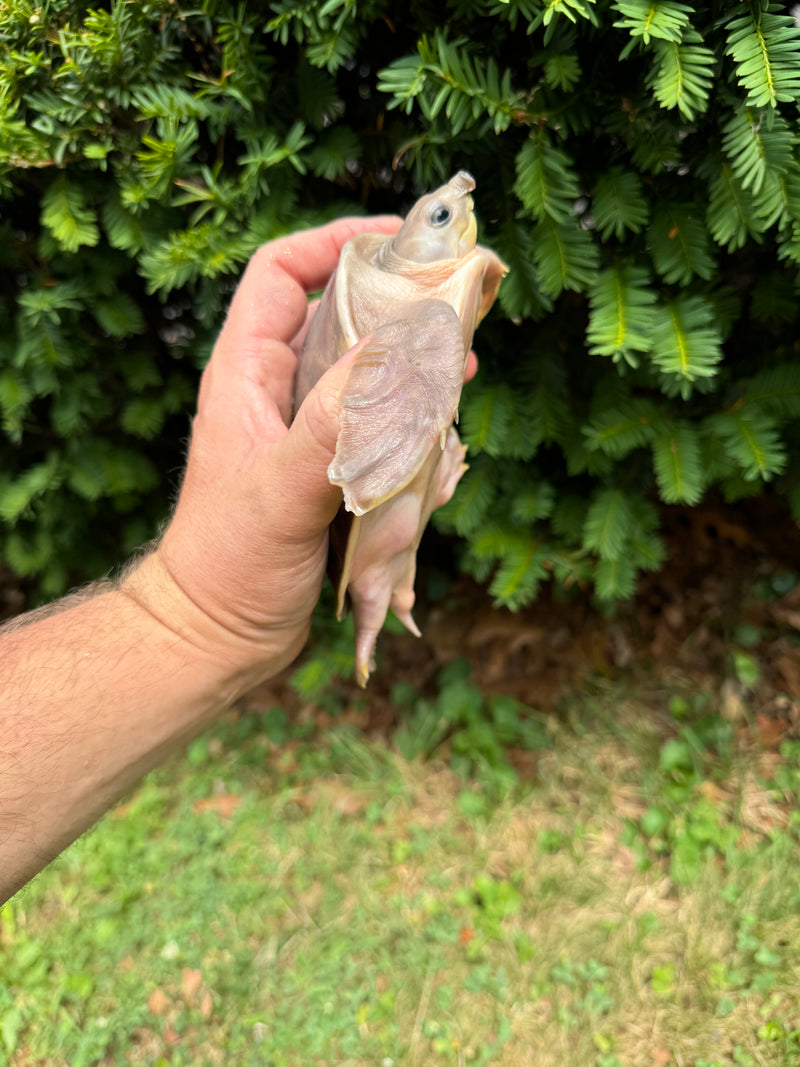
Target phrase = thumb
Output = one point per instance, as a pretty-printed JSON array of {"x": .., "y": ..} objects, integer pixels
[{"x": 308, "y": 447}]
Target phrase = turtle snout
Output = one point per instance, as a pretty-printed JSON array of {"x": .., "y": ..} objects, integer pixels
[
  {"x": 463, "y": 182},
  {"x": 469, "y": 235}
]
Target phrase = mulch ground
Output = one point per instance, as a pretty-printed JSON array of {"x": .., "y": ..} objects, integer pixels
[{"x": 732, "y": 582}]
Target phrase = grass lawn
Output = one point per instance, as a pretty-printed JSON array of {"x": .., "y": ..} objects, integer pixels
[{"x": 618, "y": 884}]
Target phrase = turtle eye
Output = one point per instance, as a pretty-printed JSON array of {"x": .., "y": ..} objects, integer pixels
[{"x": 440, "y": 214}]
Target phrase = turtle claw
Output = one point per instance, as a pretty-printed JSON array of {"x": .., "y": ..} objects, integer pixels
[{"x": 407, "y": 620}]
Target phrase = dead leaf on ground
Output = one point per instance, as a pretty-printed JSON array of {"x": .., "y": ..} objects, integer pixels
[
  {"x": 788, "y": 667},
  {"x": 335, "y": 795},
  {"x": 771, "y": 731},
  {"x": 170, "y": 1035},
  {"x": 714, "y": 793},
  {"x": 759, "y": 810},
  {"x": 223, "y": 805},
  {"x": 191, "y": 980},
  {"x": 206, "y": 1004},
  {"x": 158, "y": 1002}
]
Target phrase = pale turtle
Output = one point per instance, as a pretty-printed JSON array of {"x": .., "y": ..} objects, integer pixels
[{"x": 411, "y": 304}]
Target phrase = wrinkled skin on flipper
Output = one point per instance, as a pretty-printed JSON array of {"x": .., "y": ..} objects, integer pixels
[{"x": 410, "y": 304}]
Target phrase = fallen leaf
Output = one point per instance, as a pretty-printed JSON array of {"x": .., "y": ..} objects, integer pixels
[
  {"x": 171, "y": 1037},
  {"x": 732, "y": 706},
  {"x": 660, "y": 1057},
  {"x": 789, "y": 669},
  {"x": 158, "y": 1002},
  {"x": 190, "y": 983},
  {"x": 789, "y": 616},
  {"x": 224, "y": 805},
  {"x": 206, "y": 1004},
  {"x": 334, "y": 795},
  {"x": 771, "y": 731},
  {"x": 714, "y": 793}
]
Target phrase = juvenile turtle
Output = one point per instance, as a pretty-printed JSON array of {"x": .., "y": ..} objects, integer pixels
[{"x": 411, "y": 304}]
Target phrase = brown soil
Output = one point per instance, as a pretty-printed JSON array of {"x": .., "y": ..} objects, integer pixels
[{"x": 728, "y": 568}]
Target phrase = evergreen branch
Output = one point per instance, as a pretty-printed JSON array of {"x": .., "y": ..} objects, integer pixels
[
  {"x": 19, "y": 495},
  {"x": 328, "y": 41},
  {"x": 684, "y": 75},
  {"x": 619, "y": 318},
  {"x": 520, "y": 295},
  {"x": 732, "y": 213},
  {"x": 512, "y": 10},
  {"x": 622, "y": 429},
  {"x": 163, "y": 156},
  {"x": 565, "y": 257},
  {"x": 607, "y": 523},
  {"x": 646, "y": 549},
  {"x": 572, "y": 10},
  {"x": 569, "y": 518},
  {"x": 123, "y": 230},
  {"x": 562, "y": 71},
  {"x": 679, "y": 244},
  {"x": 45, "y": 303},
  {"x": 751, "y": 438},
  {"x": 546, "y": 182},
  {"x": 664, "y": 20},
  {"x": 789, "y": 248},
  {"x": 678, "y": 464},
  {"x": 765, "y": 46},
  {"x": 520, "y": 573},
  {"x": 778, "y": 200},
  {"x": 546, "y": 406},
  {"x": 615, "y": 579},
  {"x": 534, "y": 503},
  {"x": 202, "y": 251},
  {"x": 776, "y": 391},
  {"x": 66, "y": 216},
  {"x": 686, "y": 343},
  {"x": 15, "y": 397},
  {"x": 485, "y": 414},
  {"x": 758, "y": 148},
  {"x": 447, "y": 77},
  {"x": 470, "y": 504},
  {"x": 619, "y": 204},
  {"x": 496, "y": 419}
]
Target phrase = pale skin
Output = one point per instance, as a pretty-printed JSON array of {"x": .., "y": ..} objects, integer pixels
[{"x": 101, "y": 690}]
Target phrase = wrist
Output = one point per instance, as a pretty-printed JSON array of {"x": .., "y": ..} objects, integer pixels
[{"x": 238, "y": 662}]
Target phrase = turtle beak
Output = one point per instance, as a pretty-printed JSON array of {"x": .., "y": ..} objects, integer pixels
[{"x": 469, "y": 234}]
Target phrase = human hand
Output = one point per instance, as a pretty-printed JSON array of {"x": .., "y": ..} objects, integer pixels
[{"x": 246, "y": 549}]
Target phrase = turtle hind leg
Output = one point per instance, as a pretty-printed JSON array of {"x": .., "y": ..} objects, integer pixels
[
  {"x": 382, "y": 551},
  {"x": 381, "y": 572},
  {"x": 384, "y": 587}
]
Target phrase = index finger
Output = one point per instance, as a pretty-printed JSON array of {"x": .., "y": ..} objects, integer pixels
[
  {"x": 309, "y": 257},
  {"x": 270, "y": 306},
  {"x": 270, "y": 301}
]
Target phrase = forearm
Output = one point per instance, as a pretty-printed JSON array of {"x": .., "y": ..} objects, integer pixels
[{"x": 94, "y": 697}]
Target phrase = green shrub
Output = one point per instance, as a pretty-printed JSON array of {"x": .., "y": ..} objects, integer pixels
[{"x": 637, "y": 167}]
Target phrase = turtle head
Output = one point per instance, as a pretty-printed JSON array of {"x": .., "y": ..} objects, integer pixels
[{"x": 440, "y": 225}]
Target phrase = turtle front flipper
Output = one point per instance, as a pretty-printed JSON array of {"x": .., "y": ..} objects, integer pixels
[{"x": 397, "y": 403}]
